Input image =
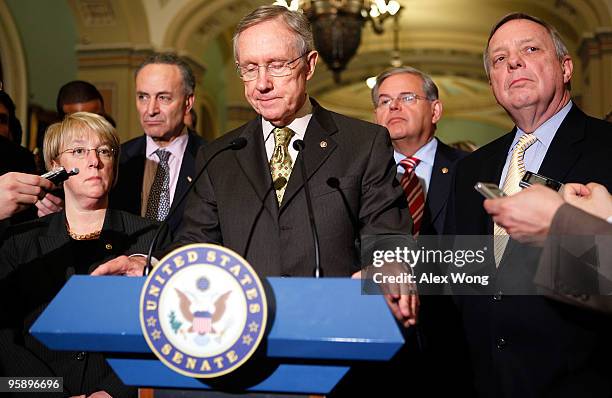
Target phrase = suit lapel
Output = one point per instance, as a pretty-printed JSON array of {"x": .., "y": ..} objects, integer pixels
[
  {"x": 131, "y": 174},
  {"x": 318, "y": 145},
  {"x": 440, "y": 183},
  {"x": 56, "y": 238},
  {"x": 187, "y": 171},
  {"x": 564, "y": 150},
  {"x": 254, "y": 164},
  {"x": 492, "y": 169}
]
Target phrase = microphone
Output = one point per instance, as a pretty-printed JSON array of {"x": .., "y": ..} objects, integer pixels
[
  {"x": 60, "y": 174},
  {"x": 236, "y": 144},
  {"x": 276, "y": 185},
  {"x": 299, "y": 146},
  {"x": 334, "y": 183}
]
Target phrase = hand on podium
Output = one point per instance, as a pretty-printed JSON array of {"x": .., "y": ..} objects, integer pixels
[
  {"x": 402, "y": 298},
  {"x": 122, "y": 265}
]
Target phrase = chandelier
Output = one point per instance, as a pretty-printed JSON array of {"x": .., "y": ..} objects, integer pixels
[
  {"x": 337, "y": 25},
  {"x": 396, "y": 60}
]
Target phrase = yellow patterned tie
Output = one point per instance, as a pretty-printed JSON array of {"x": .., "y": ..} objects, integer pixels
[
  {"x": 516, "y": 171},
  {"x": 281, "y": 163}
]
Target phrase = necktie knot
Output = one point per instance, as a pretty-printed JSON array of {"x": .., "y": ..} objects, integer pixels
[
  {"x": 525, "y": 141},
  {"x": 163, "y": 155},
  {"x": 410, "y": 163},
  {"x": 282, "y": 136}
]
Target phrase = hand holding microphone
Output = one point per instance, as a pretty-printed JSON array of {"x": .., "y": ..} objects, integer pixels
[{"x": 18, "y": 191}]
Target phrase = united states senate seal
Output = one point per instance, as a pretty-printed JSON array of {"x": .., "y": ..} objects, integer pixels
[{"x": 203, "y": 310}]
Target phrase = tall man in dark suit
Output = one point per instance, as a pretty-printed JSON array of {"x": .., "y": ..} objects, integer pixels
[
  {"x": 529, "y": 345},
  {"x": 406, "y": 103},
  {"x": 164, "y": 95},
  {"x": 349, "y": 167}
]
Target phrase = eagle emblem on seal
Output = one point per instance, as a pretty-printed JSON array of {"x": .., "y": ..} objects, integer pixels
[{"x": 201, "y": 313}]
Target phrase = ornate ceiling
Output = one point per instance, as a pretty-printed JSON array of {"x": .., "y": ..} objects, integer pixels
[{"x": 444, "y": 38}]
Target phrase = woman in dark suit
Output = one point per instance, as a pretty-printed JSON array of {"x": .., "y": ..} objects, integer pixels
[{"x": 38, "y": 257}]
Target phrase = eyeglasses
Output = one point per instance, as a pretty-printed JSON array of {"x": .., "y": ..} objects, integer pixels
[
  {"x": 405, "y": 98},
  {"x": 4, "y": 118},
  {"x": 275, "y": 69},
  {"x": 80, "y": 152}
]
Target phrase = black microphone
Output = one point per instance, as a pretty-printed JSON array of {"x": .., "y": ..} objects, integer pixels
[
  {"x": 334, "y": 183},
  {"x": 236, "y": 144},
  {"x": 299, "y": 146},
  {"x": 276, "y": 185}
]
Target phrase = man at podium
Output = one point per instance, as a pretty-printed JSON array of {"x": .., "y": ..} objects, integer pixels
[{"x": 253, "y": 200}]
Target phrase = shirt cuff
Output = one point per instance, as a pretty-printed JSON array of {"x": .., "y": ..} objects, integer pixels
[{"x": 154, "y": 261}]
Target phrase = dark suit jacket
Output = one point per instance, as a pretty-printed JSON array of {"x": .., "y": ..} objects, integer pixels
[
  {"x": 127, "y": 194},
  {"x": 35, "y": 262},
  {"x": 440, "y": 347},
  {"x": 528, "y": 346},
  {"x": 14, "y": 157},
  {"x": 351, "y": 175},
  {"x": 439, "y": 188},
  {"x": 576, "y": 263}
]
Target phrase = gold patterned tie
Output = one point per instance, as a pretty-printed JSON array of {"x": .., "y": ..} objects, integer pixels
[
  {"x": 281, "y": 163},
  {"x": 516, "y": 171}
]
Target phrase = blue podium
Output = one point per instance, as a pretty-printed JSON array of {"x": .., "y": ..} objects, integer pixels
[{"x": 318, "y": 328}]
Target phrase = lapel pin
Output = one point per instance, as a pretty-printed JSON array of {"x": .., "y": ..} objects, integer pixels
[
  {"x": 189, "y": 178},
  {"x": 109, "y": 246},
  {"x": 323, "y": 144},
  {"x": 444, "y": 170}
]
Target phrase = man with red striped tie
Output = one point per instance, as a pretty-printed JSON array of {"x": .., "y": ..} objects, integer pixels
[{"x": 406, "y": 102}]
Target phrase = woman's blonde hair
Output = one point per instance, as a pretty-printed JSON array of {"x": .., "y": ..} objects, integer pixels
[{"x": 79, "y": 125}]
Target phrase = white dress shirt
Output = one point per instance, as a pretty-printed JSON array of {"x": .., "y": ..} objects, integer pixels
[
  {"x": 534, "y": 155},
  {"x": 298, "y": 125}
]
